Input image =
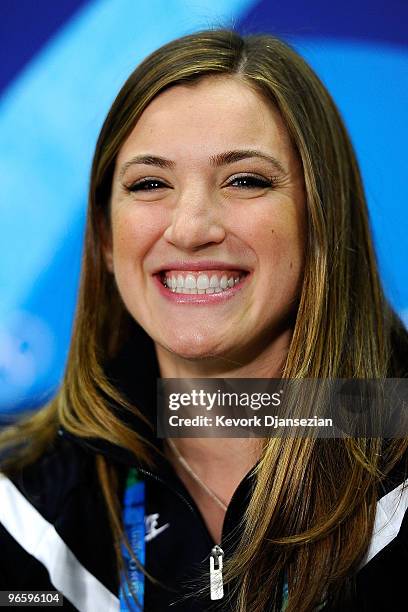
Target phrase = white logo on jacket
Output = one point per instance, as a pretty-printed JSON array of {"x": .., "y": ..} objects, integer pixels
[{"x": 152, "y": 530}]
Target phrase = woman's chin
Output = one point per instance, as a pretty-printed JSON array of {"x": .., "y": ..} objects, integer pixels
[{"x": 195, "y": 347}]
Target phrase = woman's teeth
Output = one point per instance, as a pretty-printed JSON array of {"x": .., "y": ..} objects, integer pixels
[{"x": 201, "y": 283}]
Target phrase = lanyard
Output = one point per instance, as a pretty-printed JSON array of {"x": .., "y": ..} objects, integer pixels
[
  {"x": 285, "y": 594},
  {"x": 134, "y": 524}
]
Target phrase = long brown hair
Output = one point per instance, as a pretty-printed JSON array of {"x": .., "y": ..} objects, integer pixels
[{"x": 318, "y": 496}]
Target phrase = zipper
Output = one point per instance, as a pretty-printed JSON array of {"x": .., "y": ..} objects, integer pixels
[{"x": 216, "y": 581}]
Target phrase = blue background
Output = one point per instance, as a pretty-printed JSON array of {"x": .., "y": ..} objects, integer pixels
[{"x": 62, "y": 65}]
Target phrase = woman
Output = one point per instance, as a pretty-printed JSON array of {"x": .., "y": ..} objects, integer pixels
[{"x": 227, "y": 236}]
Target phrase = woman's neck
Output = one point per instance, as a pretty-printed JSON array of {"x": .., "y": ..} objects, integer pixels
[{"x": 221, "y": 463}]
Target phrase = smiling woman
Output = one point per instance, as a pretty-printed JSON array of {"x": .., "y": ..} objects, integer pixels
[{"x": 227, "y": 236}]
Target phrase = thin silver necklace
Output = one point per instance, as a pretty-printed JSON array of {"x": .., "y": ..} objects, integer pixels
[{"x": 195, "y": 476}]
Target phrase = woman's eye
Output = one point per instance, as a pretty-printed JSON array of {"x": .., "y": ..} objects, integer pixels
[
  {"x": 146, "y": 185},
  {"x": 250, "y": 182}
]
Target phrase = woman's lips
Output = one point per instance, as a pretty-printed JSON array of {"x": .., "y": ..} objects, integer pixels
[{"x": 200, "y": 287}]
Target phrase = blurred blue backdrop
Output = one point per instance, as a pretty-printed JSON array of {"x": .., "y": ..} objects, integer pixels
[{"x": 63, "y": 63}]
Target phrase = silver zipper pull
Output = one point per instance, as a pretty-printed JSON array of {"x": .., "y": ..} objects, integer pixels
[{"x": 216, "y": 583}]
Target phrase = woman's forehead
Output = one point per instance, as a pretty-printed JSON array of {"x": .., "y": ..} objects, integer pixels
[{"x": 214, "y": 115}]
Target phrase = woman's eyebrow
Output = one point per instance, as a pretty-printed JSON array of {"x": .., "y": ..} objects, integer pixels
[
  {"x": 229, "y": 157},
  {"x": 220, "y": 159},
  {"x": 148, "y": 160}
]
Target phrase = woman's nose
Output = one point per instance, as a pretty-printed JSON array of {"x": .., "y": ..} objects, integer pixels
[{"x": 196, "y": 221}]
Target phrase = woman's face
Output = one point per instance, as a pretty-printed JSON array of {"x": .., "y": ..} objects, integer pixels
[{"x": 208, "y": 221}]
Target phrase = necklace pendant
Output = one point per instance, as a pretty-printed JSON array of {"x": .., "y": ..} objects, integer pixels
[{"x": 216, "y": 580}]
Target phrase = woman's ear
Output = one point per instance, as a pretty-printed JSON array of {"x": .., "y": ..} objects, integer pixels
[{"x": 106, "y": 242}]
